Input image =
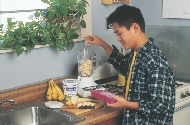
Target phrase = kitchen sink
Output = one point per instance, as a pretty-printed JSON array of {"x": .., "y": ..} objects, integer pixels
[{"x": 33, "y": 113}]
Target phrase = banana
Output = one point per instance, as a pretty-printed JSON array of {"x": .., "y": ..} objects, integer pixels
[
  {"x": 60, "y": 98},
  {"x": 69, "y": 103},
  {"x": 49, "y": 93},
  {"x": 54, "y": 97},
  {"x": 54, "y": 93},
  {"x": 58, "y": 91},
  {"x": 49, "y": 97}
]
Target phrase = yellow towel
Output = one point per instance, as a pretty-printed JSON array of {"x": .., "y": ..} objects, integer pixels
[{"x": 129, "y": 76}]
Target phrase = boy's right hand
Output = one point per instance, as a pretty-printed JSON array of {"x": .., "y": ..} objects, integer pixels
[{"x": 93, "y": 39}]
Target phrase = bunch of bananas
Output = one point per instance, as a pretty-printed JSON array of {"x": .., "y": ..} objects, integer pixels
[{"x": 54, "y": 92}]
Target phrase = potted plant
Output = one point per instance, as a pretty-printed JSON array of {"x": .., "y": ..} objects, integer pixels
[{"x": 55, "y": 26}]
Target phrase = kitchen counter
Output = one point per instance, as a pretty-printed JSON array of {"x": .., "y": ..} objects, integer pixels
[
  {"x": 37, "y": 92},
  {"x": 99, "y": 115}
]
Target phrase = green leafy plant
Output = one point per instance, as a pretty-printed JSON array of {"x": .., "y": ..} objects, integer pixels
[
  {"x": 56, "y": 26},
  {"x": 19, "y": 35}
]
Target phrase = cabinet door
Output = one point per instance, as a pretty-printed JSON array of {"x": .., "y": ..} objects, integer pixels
[{"x": 113, "y": 121}]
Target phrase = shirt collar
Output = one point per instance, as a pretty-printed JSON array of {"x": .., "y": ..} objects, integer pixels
[{"x": 145, "y": 47}]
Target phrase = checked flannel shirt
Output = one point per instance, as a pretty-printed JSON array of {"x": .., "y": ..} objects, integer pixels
[{"x": 152, "y": 85}]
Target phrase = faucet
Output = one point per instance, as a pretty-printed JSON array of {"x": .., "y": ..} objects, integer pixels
[{"x": 8, "y": 100}]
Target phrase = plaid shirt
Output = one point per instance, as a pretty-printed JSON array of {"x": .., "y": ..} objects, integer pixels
[{"x": 152, "y": 85}]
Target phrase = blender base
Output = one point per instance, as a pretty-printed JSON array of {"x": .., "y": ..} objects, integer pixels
[{"x": 85, "y": 85}]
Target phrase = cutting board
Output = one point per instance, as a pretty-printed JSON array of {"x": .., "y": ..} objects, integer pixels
[{"x": 74, "y": 110}]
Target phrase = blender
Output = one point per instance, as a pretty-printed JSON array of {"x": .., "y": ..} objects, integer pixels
[{"x": 88, "y": 61}]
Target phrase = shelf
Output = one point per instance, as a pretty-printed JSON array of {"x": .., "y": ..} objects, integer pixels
[{"x": 114, "y": 1}]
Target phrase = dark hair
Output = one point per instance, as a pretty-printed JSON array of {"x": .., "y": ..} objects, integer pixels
[{"x": 126, "y": 15}]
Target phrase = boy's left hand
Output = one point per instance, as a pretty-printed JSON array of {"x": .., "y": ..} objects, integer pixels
[{"x": 120, "y": 102}]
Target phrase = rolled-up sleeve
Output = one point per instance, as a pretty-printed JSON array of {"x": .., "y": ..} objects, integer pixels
[{"x": 119, "y": 61}]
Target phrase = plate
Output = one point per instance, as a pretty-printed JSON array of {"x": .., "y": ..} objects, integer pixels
[{"x": 53, "y": 104}]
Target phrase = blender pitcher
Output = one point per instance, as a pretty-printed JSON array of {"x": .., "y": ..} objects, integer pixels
[{"x": 88, "y": 61}]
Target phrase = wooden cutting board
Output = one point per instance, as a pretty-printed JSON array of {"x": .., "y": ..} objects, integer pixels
[{"x": 74, "y": 110}]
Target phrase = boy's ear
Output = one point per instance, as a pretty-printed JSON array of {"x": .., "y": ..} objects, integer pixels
[{"x": 135, "y": 27}]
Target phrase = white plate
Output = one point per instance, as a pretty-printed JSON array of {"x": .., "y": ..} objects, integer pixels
[{"x": 53, "y": 104}]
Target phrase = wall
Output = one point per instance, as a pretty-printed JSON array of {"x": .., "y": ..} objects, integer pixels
[
  {"x": 45, "y": 63},
  {"x": 152, "y": 12},
  {"x": 99, "y": 14},
  {"x": 171, "y": 35},
  {"x": 41, "y": 64}
]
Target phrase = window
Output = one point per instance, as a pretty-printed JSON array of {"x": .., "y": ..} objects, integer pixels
[
  {"x": 19, "y": 9},
  {"x": 22, "y": 10}
]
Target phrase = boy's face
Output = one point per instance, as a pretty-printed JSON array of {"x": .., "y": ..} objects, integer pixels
[{"x": 124, "y": 36}]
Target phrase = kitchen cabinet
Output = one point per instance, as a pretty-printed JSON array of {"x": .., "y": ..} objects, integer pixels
[{"x": 113, "y": 121}]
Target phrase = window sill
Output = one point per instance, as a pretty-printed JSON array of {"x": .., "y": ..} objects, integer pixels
[{"x": 37, "y": 46}]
